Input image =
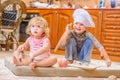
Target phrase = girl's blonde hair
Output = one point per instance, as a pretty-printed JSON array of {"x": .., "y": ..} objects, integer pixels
[{"x": 41, "y": 21}]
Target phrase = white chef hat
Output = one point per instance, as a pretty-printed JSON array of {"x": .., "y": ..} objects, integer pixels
[{"x": 82, "y": 16}]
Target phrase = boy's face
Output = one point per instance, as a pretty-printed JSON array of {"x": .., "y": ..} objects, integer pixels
[{"x": 79, "y": 28}]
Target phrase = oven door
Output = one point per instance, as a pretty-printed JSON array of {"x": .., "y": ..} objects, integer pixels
[{"x": 23, "y": 36}]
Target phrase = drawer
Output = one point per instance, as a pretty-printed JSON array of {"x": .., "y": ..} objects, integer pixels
[
  {"x": 111, "y": 39},
  {"x": 113, "y": 51},
  {"x": 111, "y": 15},
  {"x": 111, "y": 27},
  {"x": 111, "y": 44},
  {"x": 110, "y": 36}
]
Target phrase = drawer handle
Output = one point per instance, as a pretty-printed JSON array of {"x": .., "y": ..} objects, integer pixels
[
  {"x": 114, "y": 38},
  {"x": 100, "y": 12},
  {"x": 113, "y": 49},
  {"x": 115, "y": 16},
  {"x": 55, "y": 12},
  {"x": 114, "y": 27}
]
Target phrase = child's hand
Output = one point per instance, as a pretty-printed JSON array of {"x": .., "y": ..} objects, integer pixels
[
  {"x": 31, "y": 59},
  {"x": 108, "y": 62},
  {"x": 20, "y": 48},
  {"x": 69, "y": 27}
]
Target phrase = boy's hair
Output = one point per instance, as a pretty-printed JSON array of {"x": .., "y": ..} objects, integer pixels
[{"x": 41, "y": 21}]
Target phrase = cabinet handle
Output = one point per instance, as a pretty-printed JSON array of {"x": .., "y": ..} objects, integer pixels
[
  {"x": 113, "y": 38},
  {"x": 113, "y": 49},
  {"x": 114, "y": 27},
  {"x": 100, "y": 12},
  {"x": 55, "y": 12},
  {"x": 115, "y": 16}
]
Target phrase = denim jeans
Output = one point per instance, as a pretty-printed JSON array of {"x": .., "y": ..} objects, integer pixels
[{"x": 85, "y": 53}]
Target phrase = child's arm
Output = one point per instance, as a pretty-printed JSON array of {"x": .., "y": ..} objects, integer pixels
[
  {"x": 64, "y": 38},
  {"x": 63, "y": 41},
  {"x": 101, "y": 49},
  {"x": 23, "y": 46},
  {"x": 104, "y": 53},
  {"x": 20, "y": 50}
]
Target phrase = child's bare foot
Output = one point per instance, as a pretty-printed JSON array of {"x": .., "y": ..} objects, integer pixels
[{"x": 32, "y": 65}]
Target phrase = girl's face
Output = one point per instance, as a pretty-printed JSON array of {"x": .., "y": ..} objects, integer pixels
[
  {"x": 37, "y": 30},
  {"x": 79, "y": 28}
]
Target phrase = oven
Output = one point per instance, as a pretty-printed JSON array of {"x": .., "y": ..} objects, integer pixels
[{"x": 22, "y": 30}]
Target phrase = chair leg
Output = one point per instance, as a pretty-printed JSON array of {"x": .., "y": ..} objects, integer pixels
[
  {"x": 0, "y": 47},
  {"x": 7, "y": 45},
  {"x": 15, "y": 40}
]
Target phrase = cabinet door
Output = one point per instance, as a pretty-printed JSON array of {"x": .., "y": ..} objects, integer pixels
[
  {"x": 57, "y": 20},
  {"x": 111, "y": 37},
  {"x": 51, "y": 17},
  {"x": 22, "y": 29},
  {"x": 96, "y": 31},
  {"x": 111, "y": 32},
  {"x": 64, "y": 17}
]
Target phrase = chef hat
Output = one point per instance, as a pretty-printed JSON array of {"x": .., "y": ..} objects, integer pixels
[{"x": 82, "y": 16}]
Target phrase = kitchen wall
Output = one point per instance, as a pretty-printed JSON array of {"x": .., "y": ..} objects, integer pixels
[
  {"x": 82, "y": 3},
  {"x": 89, "y": 3}
]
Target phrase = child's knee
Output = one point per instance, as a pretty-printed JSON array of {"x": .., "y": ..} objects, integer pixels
[
  {"x": 54, "y": 59},
  {"x": 88, "y": 42},
  {"x": 72, "y": 42}
]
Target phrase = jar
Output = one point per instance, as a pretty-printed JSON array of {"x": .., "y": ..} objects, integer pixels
[{"x": 112, "y": 2}]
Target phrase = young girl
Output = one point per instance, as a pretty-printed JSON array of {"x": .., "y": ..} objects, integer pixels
[
  {"x": 79, "y": 42},
  {"x": 39, "y": 45}
]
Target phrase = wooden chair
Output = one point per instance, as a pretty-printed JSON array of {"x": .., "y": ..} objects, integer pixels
[{"x": 12, "y": 12}]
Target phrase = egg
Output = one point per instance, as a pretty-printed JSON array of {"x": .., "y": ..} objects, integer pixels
[{"x": 63, "y": 63}]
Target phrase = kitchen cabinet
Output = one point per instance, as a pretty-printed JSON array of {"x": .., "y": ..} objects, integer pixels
[
  {"x": 96, "y": 31},
  {"x": 57, "y": 20},
  {"x": 107, "y": 26},
  {"x": 111, "y": 31}
]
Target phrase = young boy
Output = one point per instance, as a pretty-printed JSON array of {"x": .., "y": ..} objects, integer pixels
[{"x": 79, "y": 42}]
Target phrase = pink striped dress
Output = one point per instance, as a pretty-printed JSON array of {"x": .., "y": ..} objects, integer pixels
[{"x": 36, "y": 45}]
